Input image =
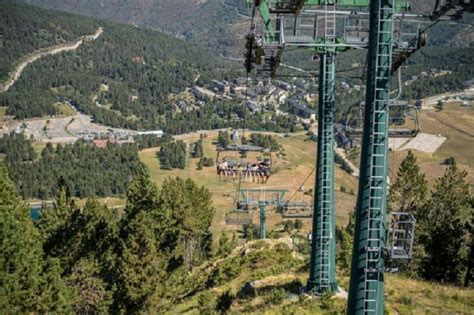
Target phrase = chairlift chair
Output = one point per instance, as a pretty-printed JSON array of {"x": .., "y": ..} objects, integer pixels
[
  {"x": 401, "y": 235},
  {"x": 295, "y": 208},
  {"x": 404, "y": 112},
  {"x": 287, "y": 6},
  {"x": 229, "y": 155}
]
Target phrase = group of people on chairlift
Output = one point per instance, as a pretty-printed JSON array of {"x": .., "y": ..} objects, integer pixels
[{"x": 258, "y": 172}]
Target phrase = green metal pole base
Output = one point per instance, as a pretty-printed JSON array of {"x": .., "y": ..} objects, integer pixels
[{"x": 313, "y": 288}]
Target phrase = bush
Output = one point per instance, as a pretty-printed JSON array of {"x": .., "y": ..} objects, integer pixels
[
  {"x": 298, "y": 224},
  {"x": 275, "y": 296},
  {"x": 206, "y": 303},
  {"x": 251, "y": 232},
  {"x": 449, "y": 161},
  {"x": 208, "y": 162},
  {"x": 224, "y": 301},
  {"x": 327, "y": 301}
]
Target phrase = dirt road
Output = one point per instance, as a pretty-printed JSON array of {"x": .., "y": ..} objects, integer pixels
[{"x": 45, "y": 52}]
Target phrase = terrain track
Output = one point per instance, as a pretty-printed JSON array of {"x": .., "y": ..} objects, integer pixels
[{"x": 53, "y": 50}]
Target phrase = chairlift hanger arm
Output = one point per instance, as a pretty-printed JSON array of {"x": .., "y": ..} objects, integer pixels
[{"x": 451, "y": 9}]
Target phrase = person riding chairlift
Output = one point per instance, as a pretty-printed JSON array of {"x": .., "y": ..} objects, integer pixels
[
  {"x": 264, "y": 169},
  {"x": 223, "y": 169}
]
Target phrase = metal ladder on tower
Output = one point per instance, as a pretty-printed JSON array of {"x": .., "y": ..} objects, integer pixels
[
  {"x": 330, "y": 21},
  {"x": 327, "y": 158},
  {"x": 375, "y": 226}
]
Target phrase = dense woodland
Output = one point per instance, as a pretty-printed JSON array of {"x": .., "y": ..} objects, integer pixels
[
  {"x": 92, "y": 260},
  {"x": 209, "y": 24},
  {"x": 25, "y": 33},
  {"x": 172, "y": 153},
  {"x": 85, "y": 169}
]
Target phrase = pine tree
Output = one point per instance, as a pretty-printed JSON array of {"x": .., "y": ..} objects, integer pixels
[
  {"x": 344, "y": 237},
  {"x": 142, "y": 193},
  {"x": 409, "y": 194},
  {"x": 54, "y": 218},
  {"x": 443, "y": 224},
  {"x": 29, "y": 283},
  {"x": 90, "y": 293},
  {"x": 142, "y": 269},
  {"x": 409, "y": 191}
]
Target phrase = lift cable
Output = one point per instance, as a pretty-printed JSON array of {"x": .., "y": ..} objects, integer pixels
[
  {"x": 247, "y": 76},
  {"x": 302, "y": 185}
]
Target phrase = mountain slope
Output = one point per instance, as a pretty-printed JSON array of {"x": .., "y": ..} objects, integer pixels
[
  {"x": 123, "y": 78},
  {"x": 214, "y": 24},
  {"x": 217, "y": 25},
  {"x": 22, "y": 33}
]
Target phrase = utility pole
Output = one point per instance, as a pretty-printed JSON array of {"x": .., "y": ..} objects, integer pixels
[{"x": 367, "y": 268}]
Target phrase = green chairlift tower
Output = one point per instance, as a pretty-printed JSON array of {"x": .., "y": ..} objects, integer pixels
[
  {"x": 312, "y": 24},
  {"x": 367, "y": 268},
  {"x": 260, "y": 198},
  {"x": 371, "y": 247}
]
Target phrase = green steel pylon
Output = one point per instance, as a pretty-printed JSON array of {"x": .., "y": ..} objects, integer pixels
[
  {"x": 367, "y": 269},
  {"x": 322, "y": 273},
  {"x": 262, "y": 206}
]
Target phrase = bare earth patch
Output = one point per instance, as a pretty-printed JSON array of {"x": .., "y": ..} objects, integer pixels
[{"x": 424, "y": 142}]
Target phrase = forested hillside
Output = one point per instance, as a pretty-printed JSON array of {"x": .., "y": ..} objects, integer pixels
[
  {"x": 123, "y": 78},
  {"x": 213, "y": 24},
  {"x": 157, "y": 256},
  {"x": 25, "y": 33},
  {"x": 217, "y": 25}
]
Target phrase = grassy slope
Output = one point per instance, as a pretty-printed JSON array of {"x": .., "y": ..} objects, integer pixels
[
  {"x": 454, "y": 123},
  {"x": 259, "y": 260},
  {"x": 291, "y": 172}
]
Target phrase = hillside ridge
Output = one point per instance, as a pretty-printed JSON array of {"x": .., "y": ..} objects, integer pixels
[{"x": 25, "y": 61}]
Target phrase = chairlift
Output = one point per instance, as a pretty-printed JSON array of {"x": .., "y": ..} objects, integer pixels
[
  {"x": 236, "y": 156},
  {"x": 295, "y": 209},
  {"x": 401, "y": 235},
  {"x": 403, "y": 120},
  {"x": 270, "y": 61},
  {"x": 235, "y": 218},
  {"x": 451, "y": 9},
  {"x": 408, "y": 39}
]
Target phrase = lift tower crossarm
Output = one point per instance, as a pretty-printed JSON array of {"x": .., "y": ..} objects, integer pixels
[{"x": 273, "y": 4}]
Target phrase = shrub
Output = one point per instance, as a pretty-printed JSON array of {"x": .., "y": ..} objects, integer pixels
[
  {"x": 206, "y": 303},
  {"x": 274, "y": 296},
  {"x": 224, "y": 301}
]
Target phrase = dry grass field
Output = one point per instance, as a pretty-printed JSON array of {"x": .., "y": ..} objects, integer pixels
[
  {"x": 291, "y": 168},
  {"x": 457, "y": 125},
  {"x": 297, "y": 160}
]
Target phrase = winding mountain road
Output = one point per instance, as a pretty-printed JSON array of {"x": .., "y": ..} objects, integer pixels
[{"x": 53, "y": 50}]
